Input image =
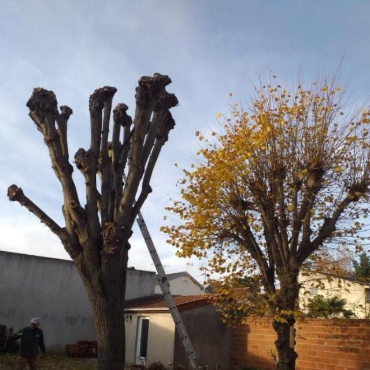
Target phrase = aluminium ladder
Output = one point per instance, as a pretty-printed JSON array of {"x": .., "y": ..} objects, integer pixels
[{"x": 165, "y": 287}]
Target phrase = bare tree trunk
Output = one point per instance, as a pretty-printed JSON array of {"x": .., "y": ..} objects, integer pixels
[
  {"x": 110, "y": 332},
  {"x": 286, "y": 353},
  {"x": 106, "y": 292},
  {"x": 284, "y": 324}
]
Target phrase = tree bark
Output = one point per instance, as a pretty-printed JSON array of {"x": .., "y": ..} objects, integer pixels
[
  {"x": 284, "y": 320},
  {"x": 286, "y": 353},
  {"x": 110, "y": 332},
  {"x": 106, "y": 292}
]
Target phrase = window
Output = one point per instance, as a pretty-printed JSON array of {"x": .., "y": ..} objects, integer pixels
[
  {"x": 367, "y": 295},
  {"x": 142, "y": 338}
]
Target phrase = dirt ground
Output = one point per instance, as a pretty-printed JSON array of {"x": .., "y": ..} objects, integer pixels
[{"x": 51, "y": 361}]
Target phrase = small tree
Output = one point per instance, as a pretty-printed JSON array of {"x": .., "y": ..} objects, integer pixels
[
  {"x": 280, "y": 181},
  {"x": 96, "y": 235},
  {"x": 362, "y": 267},
  {"x": 328, "y": 308}
]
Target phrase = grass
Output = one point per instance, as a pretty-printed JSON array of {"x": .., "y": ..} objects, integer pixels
[{"x": 51, "y": 361}]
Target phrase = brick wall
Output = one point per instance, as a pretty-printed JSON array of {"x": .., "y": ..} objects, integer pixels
[{"x": 321, "y": 345}]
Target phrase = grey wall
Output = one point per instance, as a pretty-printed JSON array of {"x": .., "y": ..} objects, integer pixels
[
  {"x": 52, "y": 290},
  {"x": 209, "y": 336}
]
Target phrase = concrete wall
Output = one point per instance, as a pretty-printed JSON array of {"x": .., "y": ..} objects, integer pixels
[
  {"x": 329, "y": 286},
  {"x": 209, "y": 336},
  {"x": 182, "y": 285},
  {"x": 52, "y": 290},
  {"x": 160, "y": 337}
]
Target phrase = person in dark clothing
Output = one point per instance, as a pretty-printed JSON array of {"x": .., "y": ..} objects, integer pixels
[{"x": 31, "y": 338}]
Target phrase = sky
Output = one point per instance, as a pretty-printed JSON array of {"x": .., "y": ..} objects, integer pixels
[{"x": 209, "y": 48}]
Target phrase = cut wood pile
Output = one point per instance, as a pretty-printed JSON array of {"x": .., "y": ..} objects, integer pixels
[
  {"x": 83, "y": 349},
  {"x": 5, "y": 344}
]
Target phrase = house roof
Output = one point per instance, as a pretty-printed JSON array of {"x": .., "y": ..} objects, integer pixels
[
  {"x": 158, "y": 303},
  {"x": 175, "y": 275},
  {"x": 353, "y": 279}
]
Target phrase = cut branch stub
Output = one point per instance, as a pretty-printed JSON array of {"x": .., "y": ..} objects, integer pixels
[
  {"x": 99, "y": 96},
  {"x": 82, "y": 160},
  {"x": 66, "y": 111},
  {"x": 42, "y": 101},
  {"x": 167, "y": 124},
  {"x": 161, "y": 81},
  {"x": 113, "y": 237},
  {"x": 120, "y": 116},
  {"x": 150, "y": 87},
  {"x": 165, "y": 101},
  {"x": 14, "y": 192}
]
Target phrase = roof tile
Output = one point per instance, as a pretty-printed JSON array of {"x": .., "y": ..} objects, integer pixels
[{"x": 158, "y": 302}]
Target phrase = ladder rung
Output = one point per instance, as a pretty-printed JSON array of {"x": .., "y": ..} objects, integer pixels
[{"x": 165, "y": 287}]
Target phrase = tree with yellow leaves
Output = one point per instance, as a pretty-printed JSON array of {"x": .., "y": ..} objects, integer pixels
[{"x": 282, "y": 179}]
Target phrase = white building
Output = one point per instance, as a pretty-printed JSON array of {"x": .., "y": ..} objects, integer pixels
[
  {"x": 355, "y": 292},
  {"x": 182, "y": 283},
  {"x": 151, "y": 335}
]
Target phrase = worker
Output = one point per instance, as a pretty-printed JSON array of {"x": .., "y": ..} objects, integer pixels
[{"x": 31, "y": 338}]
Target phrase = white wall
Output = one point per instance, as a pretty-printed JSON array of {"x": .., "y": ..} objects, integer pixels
[
  {"x": 161, "y": 337},
  {"x": 329, "y": 286},
  {"x": 182, "y": 285}
]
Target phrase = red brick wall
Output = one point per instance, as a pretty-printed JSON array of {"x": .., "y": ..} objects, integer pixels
[{"x": 321, "y": 345}]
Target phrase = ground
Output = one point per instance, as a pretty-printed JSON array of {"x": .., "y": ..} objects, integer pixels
[{"x": 51, "y": 361}]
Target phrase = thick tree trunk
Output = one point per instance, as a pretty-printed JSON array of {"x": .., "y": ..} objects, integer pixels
[
  {"x": 285, "y": 344},
  {"x": 110, "y": 332},
  {"x": 106, "y": 290},
  {"x": 284, "y": 324}
]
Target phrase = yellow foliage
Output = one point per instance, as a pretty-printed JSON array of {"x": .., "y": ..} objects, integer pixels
[{"x": 292, "y": 158}]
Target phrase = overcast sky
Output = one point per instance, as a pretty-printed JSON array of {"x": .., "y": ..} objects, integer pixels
[{"x": 208, "y": 47}]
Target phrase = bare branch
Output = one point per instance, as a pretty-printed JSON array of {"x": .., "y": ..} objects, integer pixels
[
  {"x": 43, "y": 110},
  {"x": 15, "y": 194},
  {"x": 119, "y": 154},
  {"x": 160, "y": 122},
  {"x": 306, "y": 248},
  {"x": 106, "y": 164},
  {"x": 250, "y": 244},
  {"x": 163, "y": 127},
  {"x": 149, "y": 93},
  {"x": 62, "y": 120},
  {"x": 96, "y": 105}
]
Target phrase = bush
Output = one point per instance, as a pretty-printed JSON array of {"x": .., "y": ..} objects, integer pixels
[{"x": 328, "y": 308}]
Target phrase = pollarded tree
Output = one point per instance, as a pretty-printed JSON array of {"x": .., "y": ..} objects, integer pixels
[
  {"x": 96, "y": 235},
  {"x": 280, "y": 181}
]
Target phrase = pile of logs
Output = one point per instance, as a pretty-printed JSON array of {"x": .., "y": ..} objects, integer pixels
[
  {"x": 84, "y": 349},
  {"x": 5, "y": 345}
]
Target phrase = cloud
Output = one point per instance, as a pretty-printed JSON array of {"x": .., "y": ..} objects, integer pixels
[
  {"x": 208, "y": 48},
  {"x": 24, "y": 234}
]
